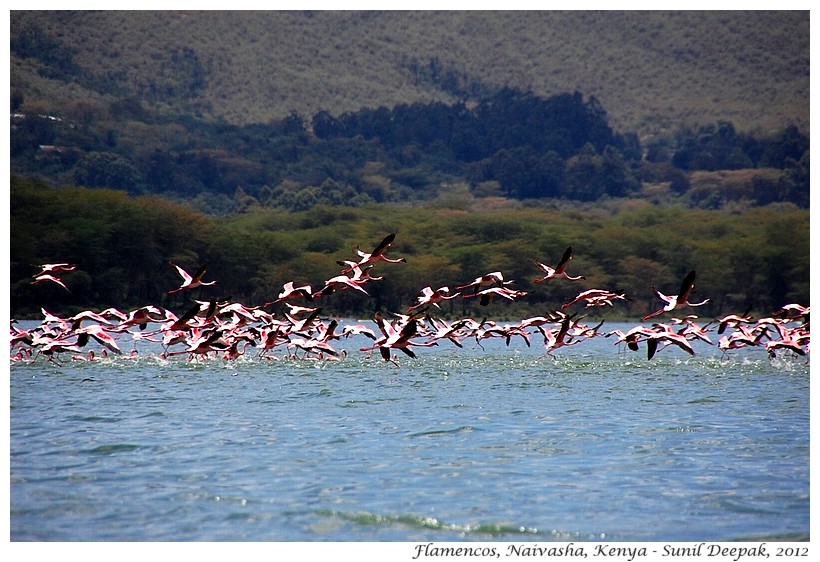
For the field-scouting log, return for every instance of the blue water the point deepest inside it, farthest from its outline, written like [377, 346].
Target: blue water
[493, 444]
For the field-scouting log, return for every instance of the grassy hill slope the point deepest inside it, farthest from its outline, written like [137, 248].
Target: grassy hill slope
[651, 71]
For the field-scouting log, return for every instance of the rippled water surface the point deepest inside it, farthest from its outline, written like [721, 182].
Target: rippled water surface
[495, 444]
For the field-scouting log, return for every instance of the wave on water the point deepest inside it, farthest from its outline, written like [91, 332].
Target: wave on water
[492, 530]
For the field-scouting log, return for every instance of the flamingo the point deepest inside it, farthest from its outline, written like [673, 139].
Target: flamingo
[444, 330]
[234, 352]
[358, 330]
[142, 316]
[632, 337]
[787, 309]
[204, 343]
[559, 270]
[679, 301]
[732, 321]
[596, 297]
[291, 292]
[584, 331]
[692, 330]
[741, 337]
[43, 277]
[428, 296]
[377, 254]
[396, 338]
[670, 338]
[360, 274]
[98, 333]
[191, 281]
[78, 318]
[186, 320]
[789, 339]
[340, 281]
[488, 294]
[54, 267]
[305, 325]
[312, 346]
[493, 278]
[507, 331]
[557, 339]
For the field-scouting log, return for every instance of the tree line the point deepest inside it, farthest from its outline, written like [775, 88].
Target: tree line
[513, 144]
[124, 246]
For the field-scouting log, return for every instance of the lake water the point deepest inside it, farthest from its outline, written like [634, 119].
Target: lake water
[493, 444]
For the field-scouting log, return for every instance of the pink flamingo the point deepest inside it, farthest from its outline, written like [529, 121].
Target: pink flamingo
[291, 292]
[54, 267]
[596, 297]
[789, 339]
[679, 301]
[488, 294]
[43, 277]
[631, 337]
[340, 282]
[559, 270]
[309, 345]
[142, 316]
[428, 296]
[493, 278]
[377, 254]
[396, 338]
[191, 281]
[444, 330]
[669, 338]
[732, 321]
[557, 339]
[98, 333]
[742, 337]
[49, 268]
[234, 352]
[358, 330]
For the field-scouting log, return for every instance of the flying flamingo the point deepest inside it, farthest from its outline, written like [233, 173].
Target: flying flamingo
[632, 337]
[789, 339]
[559, 270]
[291, 292]
[54, 267]
[495, 278]
[596, 297]
[670, 338]
[48, 277]
[357, 330]
[446, 330]
[96, 331]
[396, 337]
[142, 316]
[234, 352]
[340, 282]
[191, 281]
[488, 294]
[679, 301]
[429, 296]
[557, 339]
[377, 254]
[732, 321]
[742, 337]
[360, 274]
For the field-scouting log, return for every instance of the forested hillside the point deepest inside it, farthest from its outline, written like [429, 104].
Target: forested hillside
[90, 108]
[757, 260]
[653, 71]
[512, 144]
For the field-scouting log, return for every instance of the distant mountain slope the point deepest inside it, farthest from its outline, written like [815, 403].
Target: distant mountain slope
[651, 71]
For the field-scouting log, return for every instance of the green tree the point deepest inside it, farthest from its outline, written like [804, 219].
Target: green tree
[106, 169]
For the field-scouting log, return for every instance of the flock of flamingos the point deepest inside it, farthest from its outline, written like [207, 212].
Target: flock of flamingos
[226, 330]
